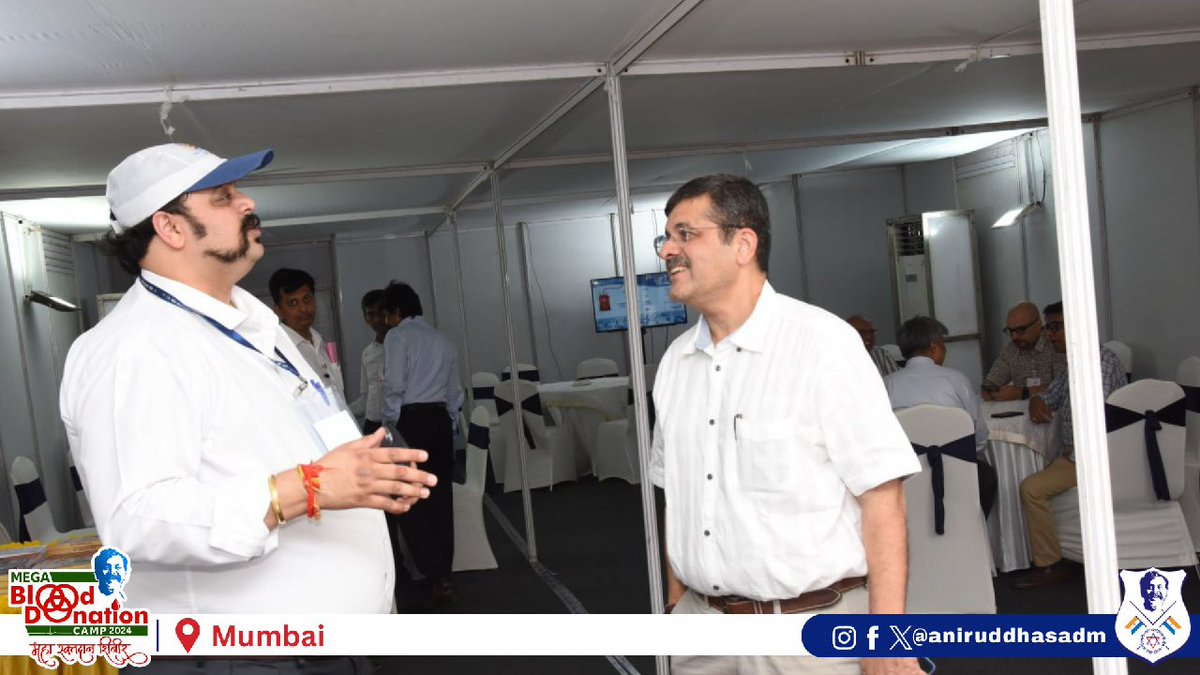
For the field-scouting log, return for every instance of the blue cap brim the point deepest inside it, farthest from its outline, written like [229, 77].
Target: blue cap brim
[234, 170]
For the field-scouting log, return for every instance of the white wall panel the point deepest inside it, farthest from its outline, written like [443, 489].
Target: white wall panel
[1149, 165]
[844, 217]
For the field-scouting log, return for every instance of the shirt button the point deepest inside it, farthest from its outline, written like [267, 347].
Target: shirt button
[710, 476]
[716, 587]
[711, 422]
[706, 533]
[718, 369]
[739, 349]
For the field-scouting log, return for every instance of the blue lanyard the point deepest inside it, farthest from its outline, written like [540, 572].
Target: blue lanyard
[281, 362]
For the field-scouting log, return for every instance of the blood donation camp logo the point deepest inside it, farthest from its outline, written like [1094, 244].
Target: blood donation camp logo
[1153, 622]
[78, 615]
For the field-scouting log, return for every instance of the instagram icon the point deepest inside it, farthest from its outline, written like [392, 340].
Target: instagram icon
[845, 638]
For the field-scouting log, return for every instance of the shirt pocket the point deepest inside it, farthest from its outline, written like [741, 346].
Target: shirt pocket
[767, 455]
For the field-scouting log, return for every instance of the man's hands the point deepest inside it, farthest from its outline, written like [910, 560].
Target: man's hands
[1005, 393]
[1039, 412]
[361, 474]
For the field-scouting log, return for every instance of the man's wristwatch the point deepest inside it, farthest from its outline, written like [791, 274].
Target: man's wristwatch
[1024, 393]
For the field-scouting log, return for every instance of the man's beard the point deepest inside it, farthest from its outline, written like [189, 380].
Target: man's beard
[229, 256]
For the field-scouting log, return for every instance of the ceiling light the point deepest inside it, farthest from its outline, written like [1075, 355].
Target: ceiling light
[1011, 216]
[51, 301]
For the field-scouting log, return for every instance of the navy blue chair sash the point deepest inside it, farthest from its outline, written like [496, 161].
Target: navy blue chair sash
[1191, 395]
[962, 448]
[1116, 417]
[532, 405]
[531, 375]
[483, 393]
[29, 496]
[479, 436]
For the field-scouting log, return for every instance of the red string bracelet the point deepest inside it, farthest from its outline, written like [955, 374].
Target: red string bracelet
[311, 475]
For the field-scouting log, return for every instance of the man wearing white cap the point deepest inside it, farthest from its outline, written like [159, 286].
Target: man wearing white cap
[193, 421]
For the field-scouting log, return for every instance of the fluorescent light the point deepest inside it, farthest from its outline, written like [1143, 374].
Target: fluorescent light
[51, 301]
[1011, 216]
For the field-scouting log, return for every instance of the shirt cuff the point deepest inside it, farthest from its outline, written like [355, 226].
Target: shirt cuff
[237, 519]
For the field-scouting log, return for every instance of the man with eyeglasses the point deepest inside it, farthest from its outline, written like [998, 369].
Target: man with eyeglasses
[1027, 364]
[1038, 489]
[775, 442]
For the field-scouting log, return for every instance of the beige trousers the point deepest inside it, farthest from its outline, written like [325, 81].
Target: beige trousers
[855, 601]
[1036, 492]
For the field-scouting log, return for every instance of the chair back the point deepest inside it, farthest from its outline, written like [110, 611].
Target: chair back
[478, 443]
[949, 572]
[1124, 353]
[85, 507]
[37, 523]
[525, 371]
[598, 367]
[1188, 377]
[1130, 468]
[483, 391]
[531, 406]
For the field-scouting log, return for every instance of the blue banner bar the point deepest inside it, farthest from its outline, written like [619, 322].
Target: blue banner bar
[971, 636]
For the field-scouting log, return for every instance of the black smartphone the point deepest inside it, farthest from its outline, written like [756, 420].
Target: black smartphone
[1007, 413]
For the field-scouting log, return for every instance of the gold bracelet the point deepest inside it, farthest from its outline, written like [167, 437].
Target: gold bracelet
[275, 500]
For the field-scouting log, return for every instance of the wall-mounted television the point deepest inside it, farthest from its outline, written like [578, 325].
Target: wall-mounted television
[657, 308]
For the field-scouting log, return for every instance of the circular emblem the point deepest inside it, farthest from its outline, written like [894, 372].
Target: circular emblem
[1153, 640]
[56, 601]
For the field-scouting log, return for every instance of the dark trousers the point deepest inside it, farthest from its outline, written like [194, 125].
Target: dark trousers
[271, 665]
[428, 527]
[988, 486]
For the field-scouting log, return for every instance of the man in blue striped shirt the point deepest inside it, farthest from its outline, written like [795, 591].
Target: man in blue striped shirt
[1038, 489]
[422, 395]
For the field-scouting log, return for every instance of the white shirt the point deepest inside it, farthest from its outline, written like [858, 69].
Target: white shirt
[769, 511]
[421, 366]
[314, 353]
[175, 428]
[370, 388]
[923, 381]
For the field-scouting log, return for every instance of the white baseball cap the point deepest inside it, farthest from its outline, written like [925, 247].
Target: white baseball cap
[148, 179]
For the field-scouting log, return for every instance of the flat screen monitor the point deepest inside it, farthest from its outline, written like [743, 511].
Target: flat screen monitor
[608, 303]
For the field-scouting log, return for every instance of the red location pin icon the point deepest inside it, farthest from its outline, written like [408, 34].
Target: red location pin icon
[187, 630]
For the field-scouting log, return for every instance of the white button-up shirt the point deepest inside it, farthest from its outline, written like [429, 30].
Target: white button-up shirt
[762, 444]
[175, 428]
[924, 381]
[370, 387]
[316, 357]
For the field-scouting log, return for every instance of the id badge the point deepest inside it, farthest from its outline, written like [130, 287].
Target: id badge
[1033, 382]
[337, 429]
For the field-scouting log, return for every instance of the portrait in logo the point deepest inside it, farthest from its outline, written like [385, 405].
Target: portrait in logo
[1153, 621]
[111, 567]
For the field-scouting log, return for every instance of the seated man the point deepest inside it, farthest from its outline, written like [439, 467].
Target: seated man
[883, 362]
[1039, 488]
[1028, 364]
[924, 380]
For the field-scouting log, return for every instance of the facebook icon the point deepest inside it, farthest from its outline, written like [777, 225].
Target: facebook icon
[872, 636]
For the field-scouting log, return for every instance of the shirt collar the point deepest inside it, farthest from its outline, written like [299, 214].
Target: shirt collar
[750, 336]
[248, 315]
[919, 361]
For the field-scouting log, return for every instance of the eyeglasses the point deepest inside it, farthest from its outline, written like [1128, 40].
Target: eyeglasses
[1020, 330]
[685, 235]
[1054, 327]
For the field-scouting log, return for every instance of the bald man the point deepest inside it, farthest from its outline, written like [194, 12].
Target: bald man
[883, 361]
[1028, 363]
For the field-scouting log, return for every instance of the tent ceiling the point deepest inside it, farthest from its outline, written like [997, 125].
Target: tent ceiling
[407, 134]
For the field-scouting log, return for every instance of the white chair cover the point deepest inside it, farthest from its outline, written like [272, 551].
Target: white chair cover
[1150, 532]
[1188, 377]
[472, 551]
[552, 457]
[483, 393]
[35, 510]
[952, 572]
[596, 367]
[1124, 353]
[617, 452]
[85, 507]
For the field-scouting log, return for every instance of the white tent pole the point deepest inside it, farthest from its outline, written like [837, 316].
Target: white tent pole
[637, 373]
[514, 374]
[462, 311]
[1083, 352]
[433, 289]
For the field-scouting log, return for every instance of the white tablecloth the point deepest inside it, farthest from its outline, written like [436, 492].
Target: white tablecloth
[1016, 448]
[582, 406]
